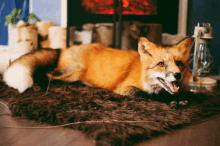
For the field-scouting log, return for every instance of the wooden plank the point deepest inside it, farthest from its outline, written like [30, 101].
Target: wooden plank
[204, 134]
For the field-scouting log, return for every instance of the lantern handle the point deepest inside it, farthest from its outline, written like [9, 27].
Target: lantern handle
[196, 58]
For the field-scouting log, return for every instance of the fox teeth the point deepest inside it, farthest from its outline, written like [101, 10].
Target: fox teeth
[169, 86]
[173, 87]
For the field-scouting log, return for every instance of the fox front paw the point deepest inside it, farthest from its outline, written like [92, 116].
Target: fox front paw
[180, 103]
[183, 103]
[173, 104]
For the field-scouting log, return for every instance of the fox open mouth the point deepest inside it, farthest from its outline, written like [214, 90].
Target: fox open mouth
[171, 87]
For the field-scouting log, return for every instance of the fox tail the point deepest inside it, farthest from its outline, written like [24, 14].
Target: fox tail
[22, 72]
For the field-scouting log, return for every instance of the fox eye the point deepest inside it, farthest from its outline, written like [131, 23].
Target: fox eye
[179, 63]
[160, 64]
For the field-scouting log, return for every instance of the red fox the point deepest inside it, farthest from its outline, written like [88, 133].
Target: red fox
[152, 69]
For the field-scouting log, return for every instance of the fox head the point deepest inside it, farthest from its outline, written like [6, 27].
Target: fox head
[164, 68]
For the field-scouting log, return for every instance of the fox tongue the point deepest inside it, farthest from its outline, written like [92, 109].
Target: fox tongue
[173, 87]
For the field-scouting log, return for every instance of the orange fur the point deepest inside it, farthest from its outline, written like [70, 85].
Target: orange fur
[119, 70]
[116, 70]
[103, 67]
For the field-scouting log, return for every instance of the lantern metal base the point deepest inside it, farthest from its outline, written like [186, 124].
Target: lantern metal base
[203, 85]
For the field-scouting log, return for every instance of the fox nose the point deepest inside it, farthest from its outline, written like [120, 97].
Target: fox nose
[177, 76]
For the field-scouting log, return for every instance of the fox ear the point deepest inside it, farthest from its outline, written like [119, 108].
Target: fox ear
[145, 47]
[185, 46]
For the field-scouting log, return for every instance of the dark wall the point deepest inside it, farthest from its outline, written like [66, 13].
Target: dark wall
[207, 11]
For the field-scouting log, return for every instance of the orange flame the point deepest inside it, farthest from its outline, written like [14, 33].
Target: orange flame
[130, 7]
[125, 3]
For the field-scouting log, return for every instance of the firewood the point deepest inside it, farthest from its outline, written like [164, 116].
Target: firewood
[43, 31]
[57, 37]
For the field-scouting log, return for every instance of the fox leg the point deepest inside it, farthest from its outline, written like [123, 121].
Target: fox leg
[123, 89]
[70, 76]
[69, 72]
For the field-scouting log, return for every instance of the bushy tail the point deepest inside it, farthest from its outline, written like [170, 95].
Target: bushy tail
[20, 73]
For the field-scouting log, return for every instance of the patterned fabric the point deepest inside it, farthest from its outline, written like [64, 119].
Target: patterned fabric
[6, 6]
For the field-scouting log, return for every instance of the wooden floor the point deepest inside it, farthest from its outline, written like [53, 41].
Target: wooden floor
[37, 137]
[203, 134]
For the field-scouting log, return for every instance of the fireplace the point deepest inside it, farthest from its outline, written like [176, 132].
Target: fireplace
[144, 11]
[166, 13]
[130, 7]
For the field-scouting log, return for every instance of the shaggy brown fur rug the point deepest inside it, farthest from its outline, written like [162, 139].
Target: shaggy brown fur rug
[108, 118]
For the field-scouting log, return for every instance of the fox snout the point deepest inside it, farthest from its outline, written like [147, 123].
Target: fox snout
[177, 76]
[171, 77]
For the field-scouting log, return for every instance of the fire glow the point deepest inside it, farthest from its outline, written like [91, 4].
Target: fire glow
[130, 7]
